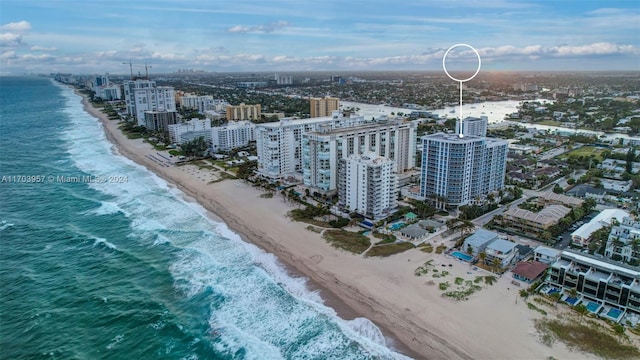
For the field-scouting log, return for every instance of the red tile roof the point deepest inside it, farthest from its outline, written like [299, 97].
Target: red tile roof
[529, 270]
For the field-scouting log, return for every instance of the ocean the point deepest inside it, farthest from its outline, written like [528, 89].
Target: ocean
[101, 259]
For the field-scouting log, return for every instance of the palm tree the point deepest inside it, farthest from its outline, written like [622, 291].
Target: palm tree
[482, 256]
[524, 293]
[581, 310]
[573, 293]
[617, 244]
[489, 280]
[556, 296]
[496, 264]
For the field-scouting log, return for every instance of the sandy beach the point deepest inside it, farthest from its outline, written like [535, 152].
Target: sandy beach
[493, 324]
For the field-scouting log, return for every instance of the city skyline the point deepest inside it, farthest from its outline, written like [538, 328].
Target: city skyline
[97, 37]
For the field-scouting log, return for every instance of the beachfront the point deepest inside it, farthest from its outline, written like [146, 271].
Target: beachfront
[492, 324]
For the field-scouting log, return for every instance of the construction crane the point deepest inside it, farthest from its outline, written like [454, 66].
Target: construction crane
[146, 69]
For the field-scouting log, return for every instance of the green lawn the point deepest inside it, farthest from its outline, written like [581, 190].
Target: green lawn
[549, 122]
[346, 240]
[584, 337]
[389, 249]
[585, 151]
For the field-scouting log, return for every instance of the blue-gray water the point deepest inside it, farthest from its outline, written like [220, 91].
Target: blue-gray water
[131, 270]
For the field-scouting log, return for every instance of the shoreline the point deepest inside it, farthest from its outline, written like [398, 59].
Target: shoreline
[216, 211]
[412, 314]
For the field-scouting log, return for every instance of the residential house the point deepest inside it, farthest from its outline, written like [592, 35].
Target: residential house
[502, 250]
[478, 241]
[545, 254]
[529, 271]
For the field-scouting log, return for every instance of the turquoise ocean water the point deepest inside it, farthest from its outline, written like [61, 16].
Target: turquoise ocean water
[131, 270]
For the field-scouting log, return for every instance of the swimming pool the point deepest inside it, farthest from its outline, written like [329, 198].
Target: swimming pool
[461, 256]
[396, 226]
[614, 313]
[571, 300]
[593, 307]
[553, 291]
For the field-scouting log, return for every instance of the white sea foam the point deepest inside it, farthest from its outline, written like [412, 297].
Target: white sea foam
[258, 307]
[5, 225]
[107, 208]
[102, 241]
[115, 341]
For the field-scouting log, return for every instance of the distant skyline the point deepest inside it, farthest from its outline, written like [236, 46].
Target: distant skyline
[297, 35]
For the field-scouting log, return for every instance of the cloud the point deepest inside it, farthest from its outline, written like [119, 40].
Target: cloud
[8, 55]
[43, 48]
[11, 35]
[10, 39]
[264, 28]
[601, 48]
[19, 27]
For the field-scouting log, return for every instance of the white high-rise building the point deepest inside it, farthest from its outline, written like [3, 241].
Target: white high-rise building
[104, 90]
[189, 130]
[143, 95]
[283, 79]
[368, 185]
[322, 149]
[233, 135]
[473, 126]
[279, 144]
[199, 103]
[461, 169]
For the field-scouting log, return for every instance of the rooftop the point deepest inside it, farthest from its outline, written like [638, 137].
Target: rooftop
[501, 246]
[413, 231]
[454, 138]
[529, 270]
[630, 271]
[547, 251]
[481, 237]
[546, 216]
[569, 200]
[583, 189]
[599, 222]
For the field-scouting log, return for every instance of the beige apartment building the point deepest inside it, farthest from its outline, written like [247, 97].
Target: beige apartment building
[243, 112]
[323, 106]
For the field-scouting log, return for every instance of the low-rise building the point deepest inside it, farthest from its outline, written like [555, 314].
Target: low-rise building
[618, 166]
[532, 223]
[478, 241]
[502, 250]
[616, 185]
[582, 236]
[624, 241]
[546, 254]
[529, 271]
[525, 252]
[587, 191]
[414, 232]
[595, 280]
[551, 198]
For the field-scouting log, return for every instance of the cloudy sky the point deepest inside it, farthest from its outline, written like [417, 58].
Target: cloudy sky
[290, 35]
